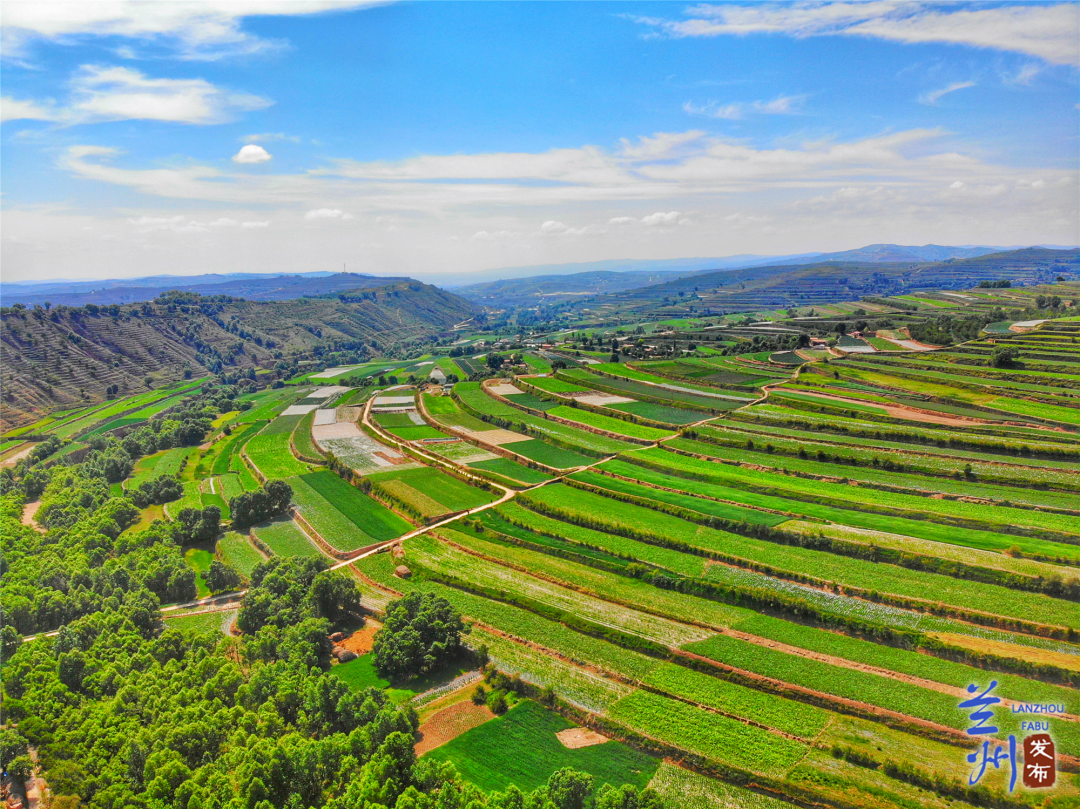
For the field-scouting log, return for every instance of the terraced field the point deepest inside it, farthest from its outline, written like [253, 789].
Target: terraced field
[727, 592]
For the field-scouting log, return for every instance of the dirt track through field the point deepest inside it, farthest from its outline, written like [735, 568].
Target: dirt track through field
[900, 412]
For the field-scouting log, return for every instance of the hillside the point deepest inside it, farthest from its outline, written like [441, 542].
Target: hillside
[778, 287]
[68, 357]
[550, 289]
[892, 253]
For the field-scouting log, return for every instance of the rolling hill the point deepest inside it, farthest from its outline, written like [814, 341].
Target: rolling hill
[779, 287]
[67, 357]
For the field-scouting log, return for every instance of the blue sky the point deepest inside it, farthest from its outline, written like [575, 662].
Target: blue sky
[420, 138]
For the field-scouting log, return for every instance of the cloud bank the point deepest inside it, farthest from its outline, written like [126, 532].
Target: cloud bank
[1047, 32]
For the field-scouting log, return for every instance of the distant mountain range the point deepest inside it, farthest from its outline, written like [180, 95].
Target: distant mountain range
[895, 253]
[250, 286]
[611, 277]
[825, 280]
[508, 286]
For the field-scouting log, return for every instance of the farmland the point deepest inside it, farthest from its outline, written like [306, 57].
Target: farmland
[367, 515]
[765, 570]
[521, 748]
[285, 538]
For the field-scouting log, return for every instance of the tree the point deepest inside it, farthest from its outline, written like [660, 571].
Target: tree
[254, 507]
[12, 745]
[333, 597]
[198, 525]
[421, 631]
[494, 361]
[1004, 357]
[220, 577]
[569, 789]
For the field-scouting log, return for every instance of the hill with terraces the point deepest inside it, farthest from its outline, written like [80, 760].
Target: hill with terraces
[782, 286]
[68, 357]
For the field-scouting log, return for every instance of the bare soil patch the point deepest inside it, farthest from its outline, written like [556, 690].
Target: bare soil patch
[499, 437]
[574, 738]
[29, 510]
[360, 641]
[449, 723]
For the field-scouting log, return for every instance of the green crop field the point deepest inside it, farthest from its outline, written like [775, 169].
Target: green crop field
[371, 517]
[359, 674]
[449, 492]
[223, 460]
[203, 623]
[659, 412]
[796, 718]
[166, 462]
[548, 454]
[532, 401]
[689, 790]
[272, 456]
[237, 551]
[554, 385]
[440, 405]
[389, 420]
[284, 538]
[797, 561]
[611, 425]
[511, 470]
[416, 432]
[331, 524]
[521, 748]
[708, 734]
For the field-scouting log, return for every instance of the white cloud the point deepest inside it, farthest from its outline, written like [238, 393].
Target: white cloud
[662, 219]
[494, 236]
[1025, 75]
[251, 154]
[622, 220]
[119, 93]
[224, 222]
[13, 109]
[727, 112]
[204, 30]
[1044, 31]
[100, 93]
[172, 224]
[782, 105]
[253, 225]
[267, 137]
[327, 213]
[931, 98]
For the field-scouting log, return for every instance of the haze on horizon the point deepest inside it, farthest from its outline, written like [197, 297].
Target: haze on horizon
[425, 138]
